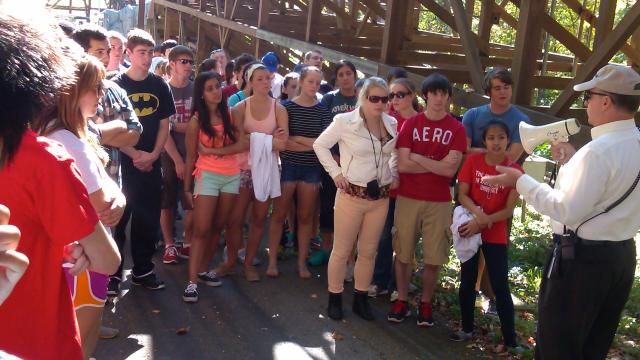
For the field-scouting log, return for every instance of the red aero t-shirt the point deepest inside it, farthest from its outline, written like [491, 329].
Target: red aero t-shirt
[42, 188]
[433, 139]
[491, 198]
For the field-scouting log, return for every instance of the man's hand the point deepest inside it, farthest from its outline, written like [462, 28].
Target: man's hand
[74, 254]
[562, 152]
[469, 228]
[508, 177]
[144, 161]
[484, 221]
[12, 263]
[111, 215]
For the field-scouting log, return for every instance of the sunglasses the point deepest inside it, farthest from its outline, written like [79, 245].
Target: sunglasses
[589, 94]
[185, 61]
[377, 99]
[399, 95]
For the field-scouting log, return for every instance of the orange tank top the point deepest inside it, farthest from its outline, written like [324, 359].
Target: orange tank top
[266, 126]
[219, 164]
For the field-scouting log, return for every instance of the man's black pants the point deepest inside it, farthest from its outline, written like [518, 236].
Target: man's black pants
[580, 305]
[143, 192]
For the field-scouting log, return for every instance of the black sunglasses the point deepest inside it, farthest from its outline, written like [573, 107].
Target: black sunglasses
[377, 99]
[186, 61]
[399, 95]
[589, 94]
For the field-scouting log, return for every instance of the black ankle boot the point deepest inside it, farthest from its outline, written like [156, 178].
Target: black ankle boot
[335, 306]
[361, 305]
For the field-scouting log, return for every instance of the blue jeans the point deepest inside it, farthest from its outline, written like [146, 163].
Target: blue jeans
[383, 274]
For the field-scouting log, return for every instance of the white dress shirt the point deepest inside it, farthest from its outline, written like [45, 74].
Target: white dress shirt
[594, 178]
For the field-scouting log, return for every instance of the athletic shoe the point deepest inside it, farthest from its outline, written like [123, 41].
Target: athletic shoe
[190, 294]
[492, 310]
[320, 257]
[113, 289]
[348, 277]
[425, 316]
[460, 336]
[375, 291]
[209, 278]
[316, 242]
[149, 281]
[183, 252]
[394, 296]
[108, 333]
[399, 311]
[170, 255]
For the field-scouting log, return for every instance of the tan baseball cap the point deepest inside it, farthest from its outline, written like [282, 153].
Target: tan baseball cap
[617, 79]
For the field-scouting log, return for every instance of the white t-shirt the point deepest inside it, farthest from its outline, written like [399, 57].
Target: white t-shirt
[276, 85]
[92, 172]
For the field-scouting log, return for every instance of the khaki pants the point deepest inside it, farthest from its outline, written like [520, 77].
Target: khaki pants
[359, 220]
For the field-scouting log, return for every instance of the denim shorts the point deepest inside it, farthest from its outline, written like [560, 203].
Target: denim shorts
[310, 174]
[212, 184]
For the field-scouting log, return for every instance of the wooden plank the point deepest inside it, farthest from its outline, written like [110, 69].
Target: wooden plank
[471, 53]
[527, 50]
[487, 14]
[340, 13]
[201, 43]
[395, 24]
[600, 57]
[313, 16]
[604, 24]
[375, 7]
[140, 14]
[170, 22]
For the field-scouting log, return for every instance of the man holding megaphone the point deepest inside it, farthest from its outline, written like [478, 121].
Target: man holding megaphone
[594, 214]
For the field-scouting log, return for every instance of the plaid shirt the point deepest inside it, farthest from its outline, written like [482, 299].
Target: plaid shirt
[115, 105]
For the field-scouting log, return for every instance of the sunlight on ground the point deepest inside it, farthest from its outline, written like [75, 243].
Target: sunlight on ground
[145, 341]
[287, 350]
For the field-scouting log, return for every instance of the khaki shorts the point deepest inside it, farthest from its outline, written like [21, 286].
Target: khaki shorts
[432, 220]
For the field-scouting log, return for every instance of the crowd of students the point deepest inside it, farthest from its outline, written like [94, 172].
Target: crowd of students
[357, 168]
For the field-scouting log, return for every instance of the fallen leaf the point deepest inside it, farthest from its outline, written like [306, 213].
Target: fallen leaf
[337, 336]
[314, 296]
[182, 331]
[155, 311]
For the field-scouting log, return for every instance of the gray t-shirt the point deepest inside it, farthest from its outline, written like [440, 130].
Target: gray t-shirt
[338, 103]
[183, 99]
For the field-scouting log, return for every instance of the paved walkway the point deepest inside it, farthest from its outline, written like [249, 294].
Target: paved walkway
[273, 319]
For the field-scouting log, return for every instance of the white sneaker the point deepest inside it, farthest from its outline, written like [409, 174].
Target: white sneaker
[349, 275]
[375, 291]
[242, 253]
[394, 296]
[190, 294]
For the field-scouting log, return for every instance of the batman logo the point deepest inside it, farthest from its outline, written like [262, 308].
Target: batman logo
[144, 104]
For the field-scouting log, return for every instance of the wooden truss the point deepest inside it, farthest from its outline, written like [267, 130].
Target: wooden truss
[376, 35]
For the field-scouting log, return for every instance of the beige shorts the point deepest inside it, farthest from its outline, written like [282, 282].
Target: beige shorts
[416, 217]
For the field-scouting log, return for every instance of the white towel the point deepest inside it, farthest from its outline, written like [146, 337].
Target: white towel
[265, 174]
[466, 247]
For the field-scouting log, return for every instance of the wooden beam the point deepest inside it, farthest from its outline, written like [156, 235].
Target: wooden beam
[487, 15]
[527, 50]
[600, 57]
[201, 45]
[375, 7]
[140, 14]
[340, 13]
[170, 24]
[395, 24]
[468, 44]
[313, 17]
[604, 24]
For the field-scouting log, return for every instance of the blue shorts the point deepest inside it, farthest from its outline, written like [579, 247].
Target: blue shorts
[212, 184]
[310, 174]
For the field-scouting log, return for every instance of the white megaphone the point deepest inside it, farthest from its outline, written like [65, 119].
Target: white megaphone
[532, 136]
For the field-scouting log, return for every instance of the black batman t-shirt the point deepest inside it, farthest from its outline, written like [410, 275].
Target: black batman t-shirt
[152, 101]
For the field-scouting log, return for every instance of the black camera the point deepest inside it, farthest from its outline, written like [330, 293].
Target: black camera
[373, 189]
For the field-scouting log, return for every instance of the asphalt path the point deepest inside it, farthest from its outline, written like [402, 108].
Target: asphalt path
[283, 318]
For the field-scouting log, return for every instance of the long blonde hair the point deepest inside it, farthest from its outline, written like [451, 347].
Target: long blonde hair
[89, 75]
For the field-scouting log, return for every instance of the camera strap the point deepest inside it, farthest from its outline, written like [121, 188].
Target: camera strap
[375, 157]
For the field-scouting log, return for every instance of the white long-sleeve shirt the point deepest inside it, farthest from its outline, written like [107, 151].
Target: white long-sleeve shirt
[357, 160]
[595, 177]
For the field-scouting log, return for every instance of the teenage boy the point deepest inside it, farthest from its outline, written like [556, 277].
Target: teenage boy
[497, 85]
[430, 147]
[238, 68]
[117, 61]
[173, 157]
[141, 177]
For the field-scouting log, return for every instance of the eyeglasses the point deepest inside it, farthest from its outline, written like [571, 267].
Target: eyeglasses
[399, 95]
[186, 61]
[377, 99]
[589, 94]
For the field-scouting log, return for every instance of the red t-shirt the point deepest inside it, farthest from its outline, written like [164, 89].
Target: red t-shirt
[394, 193]
[229, 90]
[433, 139]
[491, 198]
[42, 188]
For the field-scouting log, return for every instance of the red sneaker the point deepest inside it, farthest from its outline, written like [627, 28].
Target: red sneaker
[183, 252]
[425, 315]
[170, 255]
